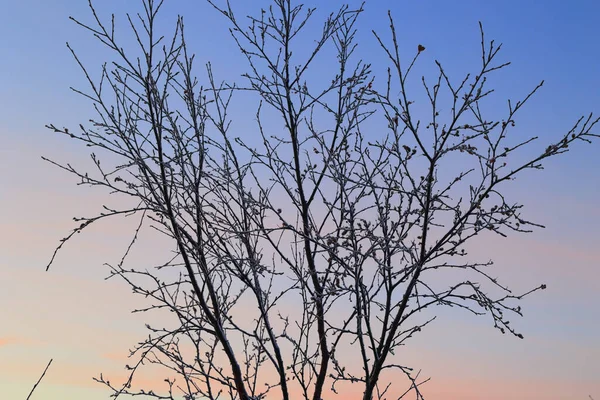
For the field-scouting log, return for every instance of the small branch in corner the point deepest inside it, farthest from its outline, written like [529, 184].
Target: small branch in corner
[39, 380]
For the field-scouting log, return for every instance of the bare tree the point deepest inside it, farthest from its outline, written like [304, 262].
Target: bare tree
[348, 211]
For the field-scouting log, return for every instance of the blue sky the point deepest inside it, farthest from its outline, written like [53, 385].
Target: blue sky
[44, 315]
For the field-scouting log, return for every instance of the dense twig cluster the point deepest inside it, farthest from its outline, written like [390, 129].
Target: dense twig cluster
[347, 220]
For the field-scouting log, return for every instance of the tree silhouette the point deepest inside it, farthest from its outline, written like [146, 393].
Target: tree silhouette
[347, 210]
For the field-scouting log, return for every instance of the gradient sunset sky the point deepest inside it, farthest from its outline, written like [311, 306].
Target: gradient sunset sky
[84, 323]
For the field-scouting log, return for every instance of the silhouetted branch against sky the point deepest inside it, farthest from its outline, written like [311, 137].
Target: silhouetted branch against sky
[39, 380]
[337, 217]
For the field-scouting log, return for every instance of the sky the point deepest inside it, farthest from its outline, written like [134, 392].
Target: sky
[72, 315]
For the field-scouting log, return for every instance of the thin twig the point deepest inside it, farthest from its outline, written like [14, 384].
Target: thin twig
[39, 380]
